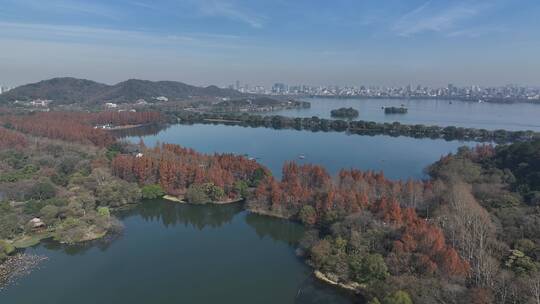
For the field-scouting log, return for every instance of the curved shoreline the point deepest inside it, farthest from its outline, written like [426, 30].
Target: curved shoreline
[179, 200]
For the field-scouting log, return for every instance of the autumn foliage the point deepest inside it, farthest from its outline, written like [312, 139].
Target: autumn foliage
[418, 242]
[11, 139]
[176, 168]
[118, 118]
[77, 126]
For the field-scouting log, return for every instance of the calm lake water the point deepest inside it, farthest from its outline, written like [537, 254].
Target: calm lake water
[172, 253]
[398, 157]
[490, 116]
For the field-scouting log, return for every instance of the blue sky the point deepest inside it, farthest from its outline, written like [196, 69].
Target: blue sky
[264, 41]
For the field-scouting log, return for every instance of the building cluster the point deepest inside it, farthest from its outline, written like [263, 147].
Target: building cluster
[508, 92]
[4, 89]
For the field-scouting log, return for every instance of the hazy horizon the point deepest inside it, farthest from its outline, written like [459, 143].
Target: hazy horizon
[216, 42]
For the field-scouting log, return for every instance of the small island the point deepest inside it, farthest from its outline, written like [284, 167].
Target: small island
[395, 110]
[348, 113]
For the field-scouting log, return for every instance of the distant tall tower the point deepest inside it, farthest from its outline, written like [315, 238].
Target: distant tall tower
[237, 87]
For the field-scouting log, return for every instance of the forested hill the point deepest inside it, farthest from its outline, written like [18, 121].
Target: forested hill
[72, 90]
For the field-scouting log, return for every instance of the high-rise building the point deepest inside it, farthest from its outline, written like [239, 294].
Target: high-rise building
[279, 88]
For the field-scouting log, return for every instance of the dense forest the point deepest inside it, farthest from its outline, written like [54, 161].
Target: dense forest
[190, 175]
[51, 188]
[67, 90]
[468, 234]
[77, 127]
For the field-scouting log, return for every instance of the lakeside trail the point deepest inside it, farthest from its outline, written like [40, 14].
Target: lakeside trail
[18, 266]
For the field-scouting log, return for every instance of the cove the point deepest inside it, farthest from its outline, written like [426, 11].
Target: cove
[175, 253]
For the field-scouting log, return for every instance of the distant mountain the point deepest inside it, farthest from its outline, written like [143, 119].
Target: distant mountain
[72, 90]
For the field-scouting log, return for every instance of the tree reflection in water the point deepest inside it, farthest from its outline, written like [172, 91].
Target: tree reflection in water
[147, 130]
[277, 229]
[172, 214]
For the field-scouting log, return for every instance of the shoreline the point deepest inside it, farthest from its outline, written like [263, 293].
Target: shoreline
[349, 286]
[179, 200]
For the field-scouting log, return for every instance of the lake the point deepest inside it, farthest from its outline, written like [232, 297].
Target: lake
[398, 157]
[174, 253]
[490, 116]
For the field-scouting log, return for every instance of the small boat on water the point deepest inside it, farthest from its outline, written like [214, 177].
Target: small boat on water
[301, 156]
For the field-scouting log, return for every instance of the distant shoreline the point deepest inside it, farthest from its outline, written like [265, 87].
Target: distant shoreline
[461, 99]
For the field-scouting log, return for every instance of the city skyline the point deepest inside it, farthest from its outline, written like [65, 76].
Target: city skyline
[390, 43]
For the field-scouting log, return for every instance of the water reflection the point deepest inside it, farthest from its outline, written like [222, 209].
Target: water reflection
[173, 214]
[277, 229]
[146, 130]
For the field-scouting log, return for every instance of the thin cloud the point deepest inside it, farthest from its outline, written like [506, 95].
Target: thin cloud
[427, 18]
[105, 36]
[144, 5]
[227, 9]
[80, 7]
[478, 32]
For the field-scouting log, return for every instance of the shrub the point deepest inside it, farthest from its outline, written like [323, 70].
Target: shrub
[152, 191]
[308, 215]
[196, 194]
[49, 213]
[104, 211]
[398, 297]
[204, 193]
[70, 231]
[241, 187]
[5, 250]
[117, 193]
[41, 191]
[368, 268]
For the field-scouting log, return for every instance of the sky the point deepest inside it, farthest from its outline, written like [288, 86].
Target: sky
[260, 42]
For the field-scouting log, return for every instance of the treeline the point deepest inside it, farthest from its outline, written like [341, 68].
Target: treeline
[185, 173]
[60, 126]
[358, 127]
[117, 118]
[76, 126]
